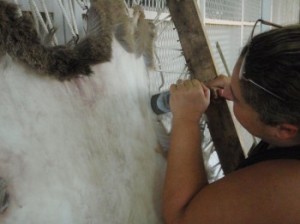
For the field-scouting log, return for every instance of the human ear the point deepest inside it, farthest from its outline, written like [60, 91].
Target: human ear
[286, 131]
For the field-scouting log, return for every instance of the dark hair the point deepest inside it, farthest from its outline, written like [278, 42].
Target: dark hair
[273, 61]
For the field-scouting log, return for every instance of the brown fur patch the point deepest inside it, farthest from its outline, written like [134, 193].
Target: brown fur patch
[19, 38]
[144, 35]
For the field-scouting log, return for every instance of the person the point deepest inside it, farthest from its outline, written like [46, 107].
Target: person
[265, 188]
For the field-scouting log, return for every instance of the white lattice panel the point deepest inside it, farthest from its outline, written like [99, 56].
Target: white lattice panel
[229, 39]
[149, 5]
[170, 63]
[252, 10]
[226, 10]
[286, 12]
[247, 32]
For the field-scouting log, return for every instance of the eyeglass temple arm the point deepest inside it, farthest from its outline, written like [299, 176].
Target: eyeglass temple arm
[265, 23]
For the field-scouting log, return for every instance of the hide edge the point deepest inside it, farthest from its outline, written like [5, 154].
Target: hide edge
[187, 19]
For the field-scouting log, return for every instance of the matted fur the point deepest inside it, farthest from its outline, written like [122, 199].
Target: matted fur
[19, 38]
[144, 35]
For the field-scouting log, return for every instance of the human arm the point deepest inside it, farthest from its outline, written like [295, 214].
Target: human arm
[256, 194]
[185, 172]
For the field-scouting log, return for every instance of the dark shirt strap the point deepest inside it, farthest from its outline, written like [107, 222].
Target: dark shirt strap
[262, 152]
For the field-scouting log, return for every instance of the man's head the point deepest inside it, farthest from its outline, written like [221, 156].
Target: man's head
[270, 75]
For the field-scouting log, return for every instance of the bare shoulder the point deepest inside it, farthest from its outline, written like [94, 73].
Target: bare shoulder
[268, 192]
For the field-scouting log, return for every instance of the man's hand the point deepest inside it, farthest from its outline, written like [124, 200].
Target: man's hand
[189, 99]
[218, 85]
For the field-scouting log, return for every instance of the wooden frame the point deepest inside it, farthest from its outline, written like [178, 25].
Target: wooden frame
[186, 17]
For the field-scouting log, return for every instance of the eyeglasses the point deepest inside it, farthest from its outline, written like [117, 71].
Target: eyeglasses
[242, 69]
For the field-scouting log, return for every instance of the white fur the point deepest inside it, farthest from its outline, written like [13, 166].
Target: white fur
[82, 151]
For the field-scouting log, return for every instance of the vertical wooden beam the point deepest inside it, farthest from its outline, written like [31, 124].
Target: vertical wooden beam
[187, 19]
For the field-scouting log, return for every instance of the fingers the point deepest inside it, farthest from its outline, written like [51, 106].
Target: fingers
[179, 81]
[206, 90]
[196, 82]
[173, 87]
[188, 83]
[189, 98]
[220, 82]
[217, 86]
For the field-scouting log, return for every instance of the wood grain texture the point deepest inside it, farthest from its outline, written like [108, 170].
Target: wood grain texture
[186, 17]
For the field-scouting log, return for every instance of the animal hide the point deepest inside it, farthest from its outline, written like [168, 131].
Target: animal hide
[83, 150]
[80, 151]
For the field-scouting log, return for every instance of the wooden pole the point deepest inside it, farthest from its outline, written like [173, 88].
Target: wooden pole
[186, 17]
